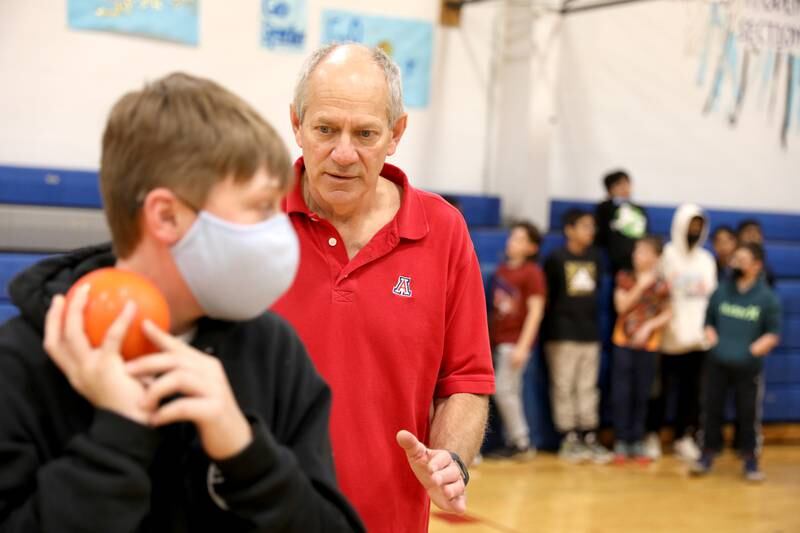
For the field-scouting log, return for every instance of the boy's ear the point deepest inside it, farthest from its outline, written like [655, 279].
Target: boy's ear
[165, 217]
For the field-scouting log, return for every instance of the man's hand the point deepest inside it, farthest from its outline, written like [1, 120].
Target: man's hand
[206, 398]
[97, 374]
[437, 472]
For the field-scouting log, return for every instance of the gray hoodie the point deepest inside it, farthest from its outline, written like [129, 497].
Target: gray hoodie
[692, 275]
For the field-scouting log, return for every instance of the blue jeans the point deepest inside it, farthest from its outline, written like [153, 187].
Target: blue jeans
[632, 379]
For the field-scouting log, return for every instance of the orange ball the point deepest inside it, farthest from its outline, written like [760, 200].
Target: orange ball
[111, 289]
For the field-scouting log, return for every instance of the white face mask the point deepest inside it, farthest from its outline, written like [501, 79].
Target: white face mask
[237, 271]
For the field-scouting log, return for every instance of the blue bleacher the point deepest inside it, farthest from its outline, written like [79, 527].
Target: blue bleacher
[776, 226]
[782, 367]
[10, 265]
[50, 187]
[789, 293]
[478, 211]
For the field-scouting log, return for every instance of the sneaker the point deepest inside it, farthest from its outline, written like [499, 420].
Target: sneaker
[687, 450]
[702, 466]
[652, 446]
[751, 471]
[517, 453]
[572, 450]
[597, 452]
[639, 453]
[621, 453]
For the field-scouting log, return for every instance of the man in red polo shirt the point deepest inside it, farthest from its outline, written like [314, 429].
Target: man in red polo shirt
[388, 300]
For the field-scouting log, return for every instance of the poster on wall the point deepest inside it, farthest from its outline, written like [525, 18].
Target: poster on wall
[170, 20]
[769, 25]
[752, 50]
[283, 24]
[408, 42]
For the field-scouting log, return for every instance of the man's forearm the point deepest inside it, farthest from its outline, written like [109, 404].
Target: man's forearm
[459, 423]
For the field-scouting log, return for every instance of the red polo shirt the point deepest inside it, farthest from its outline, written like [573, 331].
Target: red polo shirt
[400, 324]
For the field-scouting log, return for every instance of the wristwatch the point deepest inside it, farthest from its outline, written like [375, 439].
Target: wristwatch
[461, 466]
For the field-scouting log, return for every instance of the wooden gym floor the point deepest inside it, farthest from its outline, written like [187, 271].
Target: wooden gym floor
[547, 495]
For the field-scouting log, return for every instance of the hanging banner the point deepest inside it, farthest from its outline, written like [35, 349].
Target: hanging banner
[171, 20]
[283, 24]
[408, 42]
[770, 25]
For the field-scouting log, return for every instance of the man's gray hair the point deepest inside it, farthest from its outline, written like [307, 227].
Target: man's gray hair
[394, 107]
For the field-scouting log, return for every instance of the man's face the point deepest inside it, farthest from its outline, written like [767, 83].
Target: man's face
[345, 134]
[621, 189]
[582, 232]
[751, 234]
[743, 259]
[724, 244]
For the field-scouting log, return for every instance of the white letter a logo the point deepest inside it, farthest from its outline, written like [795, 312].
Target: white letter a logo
[403, 287]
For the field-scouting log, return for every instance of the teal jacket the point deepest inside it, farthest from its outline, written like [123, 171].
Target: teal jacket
[741, 318]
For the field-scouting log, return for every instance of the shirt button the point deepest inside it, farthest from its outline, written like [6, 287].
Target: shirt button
[332, 241]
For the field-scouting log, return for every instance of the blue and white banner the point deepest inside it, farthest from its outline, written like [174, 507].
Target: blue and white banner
[771, 25]
[283, 24]
[171, 20]
[408, 42]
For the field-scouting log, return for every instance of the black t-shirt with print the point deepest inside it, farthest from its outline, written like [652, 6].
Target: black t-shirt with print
[573, 283]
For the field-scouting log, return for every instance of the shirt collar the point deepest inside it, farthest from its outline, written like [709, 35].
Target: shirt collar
[411, 220]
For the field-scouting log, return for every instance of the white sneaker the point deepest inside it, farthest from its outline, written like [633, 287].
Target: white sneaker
[598, 453]
[687, 450]
[652, 446]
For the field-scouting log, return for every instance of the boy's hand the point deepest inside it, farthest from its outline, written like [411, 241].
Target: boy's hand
[711, 336]
[757, 351]
[641, 336]
[645, 280]
[437, 472]
[97, 374]
[519, 357]
[206, 398]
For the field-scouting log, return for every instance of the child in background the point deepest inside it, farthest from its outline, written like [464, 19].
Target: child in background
[743, 324]
[620, 222]
[572, 332]
[518, 298]
[724, 241]
[642, 303]
[749, 230]
[691, 273]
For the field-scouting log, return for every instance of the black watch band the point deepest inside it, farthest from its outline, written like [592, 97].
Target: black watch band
[461, 466]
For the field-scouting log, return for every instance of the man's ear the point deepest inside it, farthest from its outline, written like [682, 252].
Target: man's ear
[296, 125]
[397, 133]
[165, 217]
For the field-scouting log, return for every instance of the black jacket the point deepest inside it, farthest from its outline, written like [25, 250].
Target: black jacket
[68, 467]
[616, 234]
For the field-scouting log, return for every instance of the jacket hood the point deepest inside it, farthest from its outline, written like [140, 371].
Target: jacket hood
[680, 227]
[33, 289]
